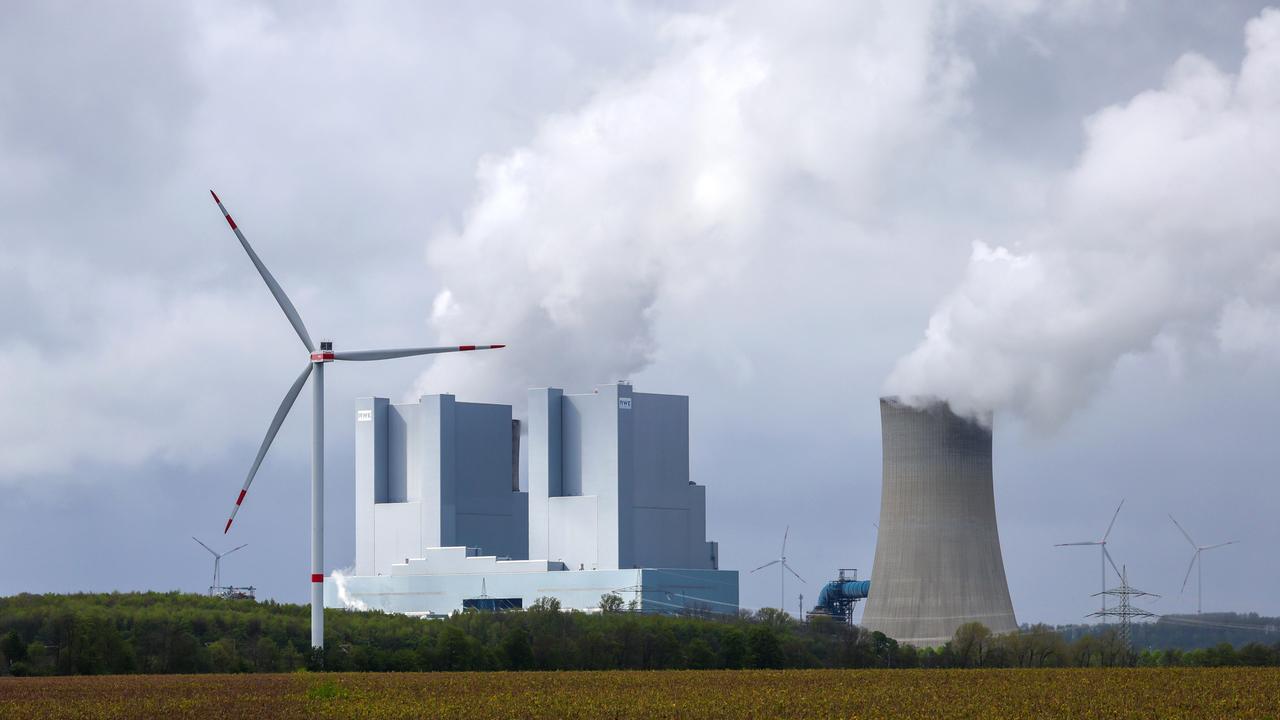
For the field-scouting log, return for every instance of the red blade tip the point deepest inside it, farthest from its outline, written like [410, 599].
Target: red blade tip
[215, 197]
[228, 527]
[495, 347]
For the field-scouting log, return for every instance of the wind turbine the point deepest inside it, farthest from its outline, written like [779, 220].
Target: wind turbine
[1195, 557]
[1106, 557]
[217, 560]
[783, 569]
[315, 364]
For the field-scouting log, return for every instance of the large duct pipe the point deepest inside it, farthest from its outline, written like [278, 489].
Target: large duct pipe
[937, 563]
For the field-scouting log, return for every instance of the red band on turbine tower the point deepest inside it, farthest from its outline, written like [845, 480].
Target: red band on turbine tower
[317, 577]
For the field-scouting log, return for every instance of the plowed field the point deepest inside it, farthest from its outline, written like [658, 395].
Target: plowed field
[1120, 693]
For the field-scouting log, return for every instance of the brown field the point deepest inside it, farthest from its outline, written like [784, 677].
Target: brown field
[1117, 693]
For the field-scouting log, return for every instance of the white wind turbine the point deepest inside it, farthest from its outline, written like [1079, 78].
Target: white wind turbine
[315, 364]
[217, 561]
[783, 569]
[1106, 556]
[1195, 558]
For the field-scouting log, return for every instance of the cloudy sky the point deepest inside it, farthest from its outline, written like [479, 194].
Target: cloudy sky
[1062, 212]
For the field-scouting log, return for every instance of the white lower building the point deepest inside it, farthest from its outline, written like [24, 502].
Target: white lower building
[441, 523]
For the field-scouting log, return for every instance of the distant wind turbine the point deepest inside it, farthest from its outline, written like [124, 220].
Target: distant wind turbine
[1195, 558]
[783, 569]
[1106, 556]
[217, 561]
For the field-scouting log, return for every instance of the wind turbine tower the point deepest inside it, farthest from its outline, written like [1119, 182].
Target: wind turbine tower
[318, 358]
[1197, 564]
[1105, 559]
[783, 569]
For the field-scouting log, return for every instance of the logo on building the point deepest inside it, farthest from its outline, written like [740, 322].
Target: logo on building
[364, 415]
[624, 403]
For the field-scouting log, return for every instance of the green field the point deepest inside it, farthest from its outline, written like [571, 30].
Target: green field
[1165, 693]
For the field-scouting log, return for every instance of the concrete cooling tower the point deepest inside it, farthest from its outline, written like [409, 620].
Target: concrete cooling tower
[937, 563]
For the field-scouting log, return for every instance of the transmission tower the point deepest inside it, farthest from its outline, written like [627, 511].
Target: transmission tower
[1124, 609]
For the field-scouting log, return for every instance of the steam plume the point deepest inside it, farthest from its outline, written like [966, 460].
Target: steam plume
[1165, 236]
[658, 187]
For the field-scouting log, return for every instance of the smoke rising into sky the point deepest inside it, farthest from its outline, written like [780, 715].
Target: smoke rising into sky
[652, 195]
[1164, 237]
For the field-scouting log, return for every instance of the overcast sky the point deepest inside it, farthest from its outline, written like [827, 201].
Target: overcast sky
[1062, 212]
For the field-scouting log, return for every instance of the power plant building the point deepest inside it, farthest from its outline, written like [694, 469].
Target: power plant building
[441, 522]
[937, 562]
[435, 473]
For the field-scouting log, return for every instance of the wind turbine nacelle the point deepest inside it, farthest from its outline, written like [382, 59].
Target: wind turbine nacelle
[324, 354]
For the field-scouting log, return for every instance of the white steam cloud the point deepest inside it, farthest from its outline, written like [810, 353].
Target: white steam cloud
[656, 190]
[1164, 237]
[339, 578]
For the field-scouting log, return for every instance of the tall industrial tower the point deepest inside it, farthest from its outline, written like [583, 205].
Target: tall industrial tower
[937, 562]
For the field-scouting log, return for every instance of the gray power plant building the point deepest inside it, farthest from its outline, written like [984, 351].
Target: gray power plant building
[937, 562]
[442, 525]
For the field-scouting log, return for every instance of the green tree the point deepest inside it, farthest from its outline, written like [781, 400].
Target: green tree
[517, 650]
[1039, 646]
[1256, 654]
[546, 604]
[13, 648]
[699, 655]
[765, 649]
[611, 603]
[733, 649]
[884, 648]
[971, 643]
[1113, 650]
[455, 649]
[265, 655]
[773, 617]
[1223, 655]
[223, 657]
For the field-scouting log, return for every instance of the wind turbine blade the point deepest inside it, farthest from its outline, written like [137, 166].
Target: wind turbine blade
[407, 352]
[276, 421]
[1185, 534]
[1090, 542]
[775, 562]
[1194, 556]
[234, 549]
[1210, 547]
[289, 310]
[785, 533]
[1113, 563]
[1107, 534]
[206, 547]
[793, 572]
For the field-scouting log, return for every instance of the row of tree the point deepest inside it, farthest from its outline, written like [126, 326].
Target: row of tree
[176, 633]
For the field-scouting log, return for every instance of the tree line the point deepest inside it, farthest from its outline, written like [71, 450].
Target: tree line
[183, 633]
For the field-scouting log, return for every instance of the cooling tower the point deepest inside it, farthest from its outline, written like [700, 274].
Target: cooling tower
[937, 563]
